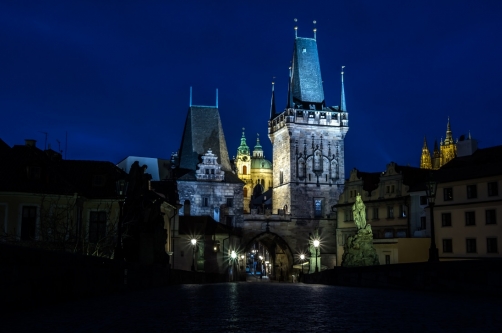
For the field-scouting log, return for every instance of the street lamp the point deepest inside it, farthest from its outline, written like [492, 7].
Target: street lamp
[194, 242]
[302, 258]
[316, 245]
[430, 189]
[121, 188]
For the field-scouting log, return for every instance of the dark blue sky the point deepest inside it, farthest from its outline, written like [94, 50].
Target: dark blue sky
[116, 75]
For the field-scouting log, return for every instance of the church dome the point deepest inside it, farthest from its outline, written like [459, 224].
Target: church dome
[260, 163]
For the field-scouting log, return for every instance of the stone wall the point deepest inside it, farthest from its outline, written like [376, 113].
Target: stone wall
[468, 276]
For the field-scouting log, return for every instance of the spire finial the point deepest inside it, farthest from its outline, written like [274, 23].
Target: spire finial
[272, 101]
[296, 28]
[216, 97]
[470, 135]
[315, 29]
[343, 107]
[190, 96]
[243, 129]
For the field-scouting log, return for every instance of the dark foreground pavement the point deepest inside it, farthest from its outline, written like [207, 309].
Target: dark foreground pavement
[264, 307]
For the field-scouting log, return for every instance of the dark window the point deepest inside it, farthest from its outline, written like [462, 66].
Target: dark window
[493, 189]
[245, 192]
[28, 222]
[472, 192]
[423, 200]
[387, 259]
[447, 246]
[207, 171]
[491, 217]
[205, 202]
[281, 177]
[402, 211]
[34, 172]
[448, 194]
[212, 171]
[98, 180]
[229, 220]
[390, 212]
[97, 226]
[446, 219]
[375, 213]
[470, 245]
[244, 170]
[230, 202]
[491, 245]
[470, 218]
[423, 223]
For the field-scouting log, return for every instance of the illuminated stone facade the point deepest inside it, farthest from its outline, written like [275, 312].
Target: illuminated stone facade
[308, 141]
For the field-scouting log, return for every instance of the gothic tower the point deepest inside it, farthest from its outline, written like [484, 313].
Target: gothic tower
[448, 148]
[307, 140]
[425, 160]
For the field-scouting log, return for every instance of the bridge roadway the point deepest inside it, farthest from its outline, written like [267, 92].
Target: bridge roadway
[264, 306]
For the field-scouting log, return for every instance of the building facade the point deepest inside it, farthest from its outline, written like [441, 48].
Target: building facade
[468, 205]
[395, 215]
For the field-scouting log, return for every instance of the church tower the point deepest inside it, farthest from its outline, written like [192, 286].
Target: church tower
[425, 160]
[307, 140]
[448, 148]
[243, 165]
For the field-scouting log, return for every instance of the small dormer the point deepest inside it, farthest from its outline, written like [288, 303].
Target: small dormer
[209, 169]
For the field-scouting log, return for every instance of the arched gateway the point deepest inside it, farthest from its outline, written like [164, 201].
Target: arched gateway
[272, 249]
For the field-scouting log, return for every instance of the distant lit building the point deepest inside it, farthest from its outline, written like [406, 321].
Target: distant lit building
[440, 156]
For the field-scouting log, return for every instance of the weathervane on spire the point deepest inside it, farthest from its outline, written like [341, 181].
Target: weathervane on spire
[315, 29]
[296, 28]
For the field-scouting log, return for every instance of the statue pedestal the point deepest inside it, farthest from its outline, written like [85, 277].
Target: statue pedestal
[359, 250]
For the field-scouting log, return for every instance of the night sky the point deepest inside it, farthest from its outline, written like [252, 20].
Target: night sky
[116, 75]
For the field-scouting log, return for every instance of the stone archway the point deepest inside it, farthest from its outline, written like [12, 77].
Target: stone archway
[281, 255]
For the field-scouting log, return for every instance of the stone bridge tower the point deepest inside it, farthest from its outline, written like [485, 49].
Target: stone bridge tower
[308, 141]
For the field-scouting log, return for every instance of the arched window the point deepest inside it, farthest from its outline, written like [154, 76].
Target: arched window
[245, 192]
[244, 170]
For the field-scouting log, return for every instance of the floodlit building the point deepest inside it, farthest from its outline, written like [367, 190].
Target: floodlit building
[394, 213]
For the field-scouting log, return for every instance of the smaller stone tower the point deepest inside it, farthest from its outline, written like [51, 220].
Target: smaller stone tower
[243, 166]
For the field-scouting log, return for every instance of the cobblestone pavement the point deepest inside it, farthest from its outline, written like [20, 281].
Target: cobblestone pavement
[265, 307]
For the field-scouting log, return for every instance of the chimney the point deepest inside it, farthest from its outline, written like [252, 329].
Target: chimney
[30, 142]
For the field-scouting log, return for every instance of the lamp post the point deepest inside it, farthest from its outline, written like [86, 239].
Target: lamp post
[430, 188]
[302, 258]
[121, 188]
[233, 255]
[194, 242]
[316, 245]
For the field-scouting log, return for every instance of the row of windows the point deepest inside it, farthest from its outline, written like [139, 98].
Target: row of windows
[470, 218]
[403, 212]
[472, 191]
[471, 245]
[229, 203]
[97, 224]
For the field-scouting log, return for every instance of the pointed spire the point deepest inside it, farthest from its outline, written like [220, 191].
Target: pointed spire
[296, 29]
[425, 160]
[315, 29]
[449, 138]
[470, 138]
[190, 96]
[272, 103]
[290, 93]
[425, 143]
[258, 150]
[243, 148]
[216, 97]
[343, 107]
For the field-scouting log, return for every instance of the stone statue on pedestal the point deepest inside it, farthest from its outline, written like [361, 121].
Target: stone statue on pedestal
[359, 250]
